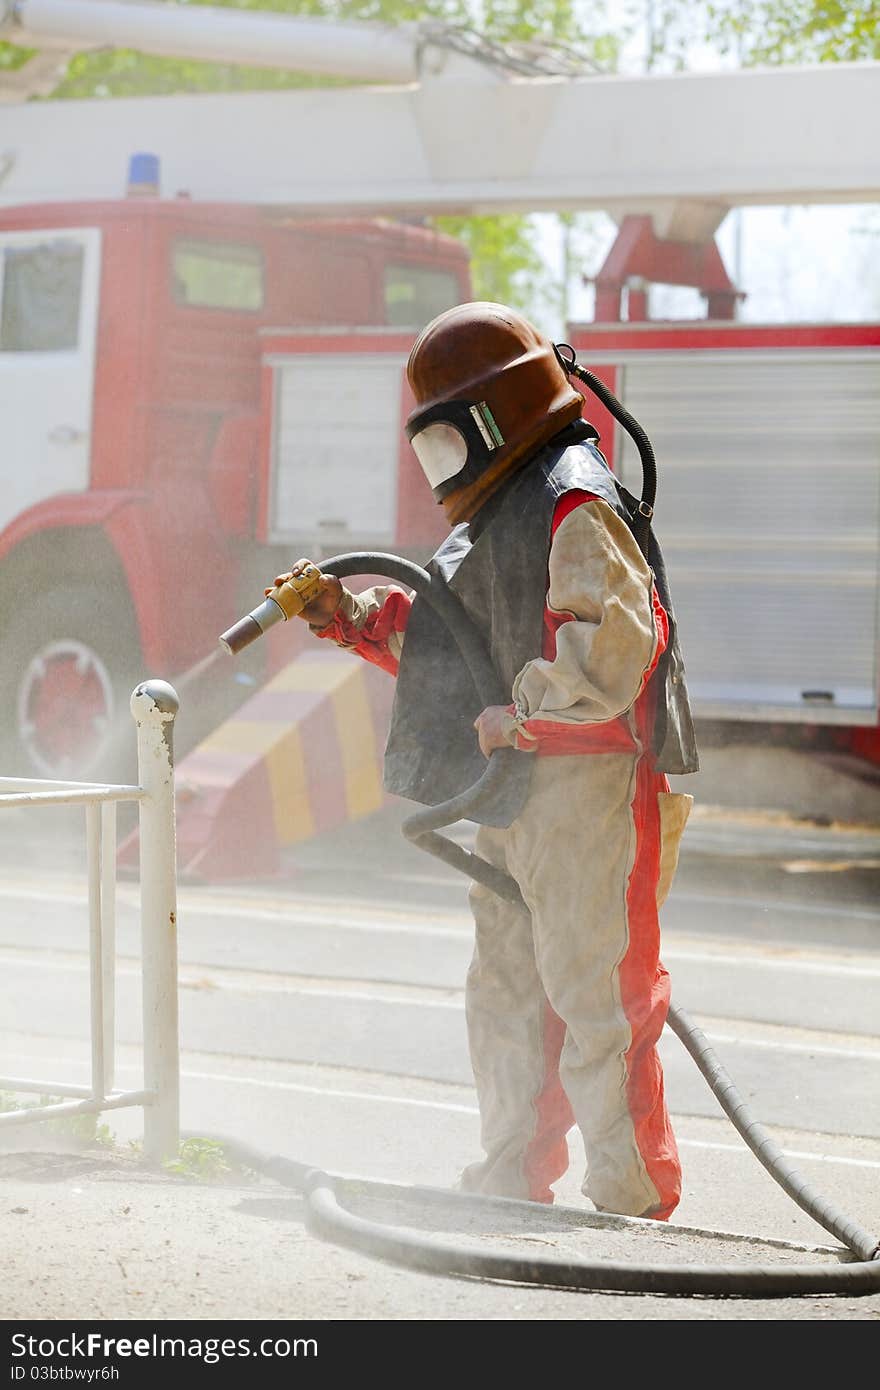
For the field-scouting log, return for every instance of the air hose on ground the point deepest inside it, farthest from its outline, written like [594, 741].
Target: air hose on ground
[328, 1218]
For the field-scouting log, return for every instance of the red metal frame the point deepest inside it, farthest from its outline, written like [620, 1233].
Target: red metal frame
[638, 254]
[605, 339]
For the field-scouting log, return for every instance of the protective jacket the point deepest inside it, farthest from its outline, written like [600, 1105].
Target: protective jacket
[496, 567]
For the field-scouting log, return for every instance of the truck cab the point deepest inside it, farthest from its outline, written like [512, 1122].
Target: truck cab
[132, 359]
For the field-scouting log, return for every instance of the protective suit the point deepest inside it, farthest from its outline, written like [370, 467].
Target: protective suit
[566, 996]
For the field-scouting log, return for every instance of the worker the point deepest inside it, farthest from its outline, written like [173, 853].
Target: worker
[566, 995]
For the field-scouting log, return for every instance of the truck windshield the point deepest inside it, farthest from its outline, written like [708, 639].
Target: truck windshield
[217, 275]
[415, 294]
[41, 286]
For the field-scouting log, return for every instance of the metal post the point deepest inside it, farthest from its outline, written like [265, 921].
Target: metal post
[96, 952]
[154, 704]
[108, 939]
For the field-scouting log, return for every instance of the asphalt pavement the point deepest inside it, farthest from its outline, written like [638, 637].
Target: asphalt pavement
[322, 1018]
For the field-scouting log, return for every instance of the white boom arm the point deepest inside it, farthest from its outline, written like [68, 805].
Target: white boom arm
[776, 136]
[461, 139]
[374, 52]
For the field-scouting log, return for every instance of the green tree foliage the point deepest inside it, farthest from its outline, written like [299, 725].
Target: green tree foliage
[796, 31]
[505, 264]
[751, 32]
[121, 72]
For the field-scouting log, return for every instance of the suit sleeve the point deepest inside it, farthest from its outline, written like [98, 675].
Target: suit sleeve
[371, 624]
[610, 630]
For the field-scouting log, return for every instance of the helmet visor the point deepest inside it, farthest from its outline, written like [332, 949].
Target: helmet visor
[442, 451]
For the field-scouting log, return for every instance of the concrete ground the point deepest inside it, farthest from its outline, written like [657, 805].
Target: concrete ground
[91, 1236]
[91, 1233]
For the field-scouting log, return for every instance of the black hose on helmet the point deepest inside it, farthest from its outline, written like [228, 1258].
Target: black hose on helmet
[641, 524]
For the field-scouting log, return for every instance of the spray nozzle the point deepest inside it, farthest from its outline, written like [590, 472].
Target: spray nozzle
[285, 601]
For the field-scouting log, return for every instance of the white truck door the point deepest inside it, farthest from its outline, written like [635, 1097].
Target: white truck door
[768, 512]
[48, 316]
[336, 439]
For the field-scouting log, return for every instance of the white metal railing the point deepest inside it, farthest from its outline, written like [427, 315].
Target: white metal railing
[154, 705]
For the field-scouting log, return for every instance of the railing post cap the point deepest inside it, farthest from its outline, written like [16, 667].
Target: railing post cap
[154, 698]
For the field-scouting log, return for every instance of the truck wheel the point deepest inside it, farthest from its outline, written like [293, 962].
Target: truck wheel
[70, 659]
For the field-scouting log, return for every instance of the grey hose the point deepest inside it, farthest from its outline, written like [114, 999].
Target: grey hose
[328, 1218]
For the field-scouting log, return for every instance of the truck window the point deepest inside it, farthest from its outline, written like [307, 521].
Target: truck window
[41, 292]
[415, 294]
[217, 275]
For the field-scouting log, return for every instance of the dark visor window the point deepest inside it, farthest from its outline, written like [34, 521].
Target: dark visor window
[415, 294]
[42, 289]
[217, 275]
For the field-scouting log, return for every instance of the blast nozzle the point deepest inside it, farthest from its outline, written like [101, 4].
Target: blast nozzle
[285, 601]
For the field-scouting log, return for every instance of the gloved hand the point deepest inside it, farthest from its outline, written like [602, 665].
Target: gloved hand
[497, 728]
[492, 728]
[320, 611]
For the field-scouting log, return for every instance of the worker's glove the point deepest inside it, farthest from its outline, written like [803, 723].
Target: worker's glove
[322, 593]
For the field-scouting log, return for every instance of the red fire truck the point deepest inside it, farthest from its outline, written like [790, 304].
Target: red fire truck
[133, 517]
[193, 394]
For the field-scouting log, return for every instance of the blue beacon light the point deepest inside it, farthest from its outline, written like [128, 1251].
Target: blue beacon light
[143, 176]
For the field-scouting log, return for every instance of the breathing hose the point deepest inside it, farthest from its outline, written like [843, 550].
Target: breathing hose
[644, 509]
[328, 1217]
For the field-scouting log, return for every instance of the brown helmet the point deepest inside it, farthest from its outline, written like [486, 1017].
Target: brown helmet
[489, 390]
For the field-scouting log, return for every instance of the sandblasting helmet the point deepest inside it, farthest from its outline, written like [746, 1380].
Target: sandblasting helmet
[489, 391]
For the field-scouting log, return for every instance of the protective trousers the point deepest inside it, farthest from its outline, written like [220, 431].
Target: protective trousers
[566, 997]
